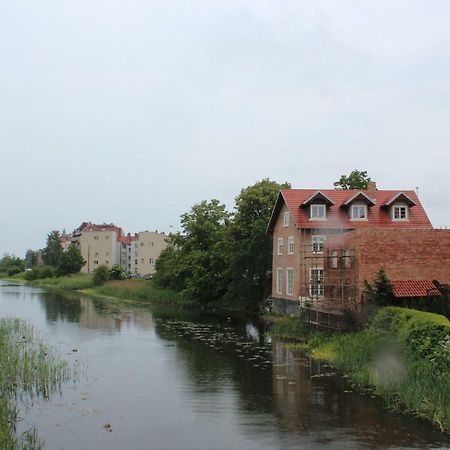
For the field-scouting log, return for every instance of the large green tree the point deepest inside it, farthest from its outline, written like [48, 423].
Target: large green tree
[70, 261]
[250, 259]
[53, 250]
[31, 258]
[11, 264]
[195, 261]
[355, 180]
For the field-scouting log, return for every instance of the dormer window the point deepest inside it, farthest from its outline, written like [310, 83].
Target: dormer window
[318, 212]
[358, 212]
[400, 212]
[317, 204]
[399, 206]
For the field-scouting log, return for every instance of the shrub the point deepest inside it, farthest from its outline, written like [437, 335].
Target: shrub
[101, 274]
[117, 272]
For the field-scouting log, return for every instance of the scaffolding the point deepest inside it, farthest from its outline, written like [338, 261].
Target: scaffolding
[328, 284]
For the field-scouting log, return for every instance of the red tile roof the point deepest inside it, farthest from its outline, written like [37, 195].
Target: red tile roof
[414, 288]
[338, 216]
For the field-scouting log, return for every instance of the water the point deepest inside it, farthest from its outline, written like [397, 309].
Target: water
[168, 380]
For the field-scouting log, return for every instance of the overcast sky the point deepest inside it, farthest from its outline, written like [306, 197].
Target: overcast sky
[131, 111]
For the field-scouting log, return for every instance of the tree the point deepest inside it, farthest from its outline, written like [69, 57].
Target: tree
[356, 180]
[70, 261]
[11, 264]
[53, 249]
[380, 292]
[31, 259]
[195, 261]
[250, 262]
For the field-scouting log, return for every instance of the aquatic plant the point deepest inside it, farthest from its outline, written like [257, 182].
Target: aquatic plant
[28, 370]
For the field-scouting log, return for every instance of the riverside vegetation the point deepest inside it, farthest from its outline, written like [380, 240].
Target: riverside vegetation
[28, 369]
[403, 354]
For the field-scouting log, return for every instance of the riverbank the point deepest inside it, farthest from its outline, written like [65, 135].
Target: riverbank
[28, 369]
[404, 355]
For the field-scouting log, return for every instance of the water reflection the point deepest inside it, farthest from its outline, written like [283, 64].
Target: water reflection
[220, 379]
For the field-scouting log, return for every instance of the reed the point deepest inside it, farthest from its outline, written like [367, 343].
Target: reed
[28, 370]
[405, 355]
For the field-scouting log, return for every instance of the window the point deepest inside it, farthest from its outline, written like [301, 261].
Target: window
[290, 281]
[400, 212]
[142, 244]
[95, 263]
[151, 261]
[358, 212]
[95, 238]
[347, 258]
[286, 219]
[107, 237]
[142, 260]
[279, 281]
[334, 259]
[317, 243]
[96, 254]
[318, 212]
[106, 262]
[135, 246]
[280, 246]
[316, 283]
[290, 245]
[135, 261]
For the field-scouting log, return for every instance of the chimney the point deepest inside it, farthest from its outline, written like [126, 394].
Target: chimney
[371, 186]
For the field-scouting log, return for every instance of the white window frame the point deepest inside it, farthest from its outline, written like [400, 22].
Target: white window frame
[317, 241]
[400, 206]
[290, 245]
[358, 207]
[280, 246]
[290, 281]
[279, 286]
[286, 219]
[318, 211]
[316, 288]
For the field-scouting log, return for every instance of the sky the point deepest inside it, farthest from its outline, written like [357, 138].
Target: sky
[132, 111]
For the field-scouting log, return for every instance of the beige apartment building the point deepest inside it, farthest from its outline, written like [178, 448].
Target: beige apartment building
[106, 244]
[98, 244]
[143, 249]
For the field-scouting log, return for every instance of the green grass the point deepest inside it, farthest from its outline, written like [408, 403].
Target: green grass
[67, 283]
[405, 355]
[289, 328]
[28, 369]
[141, 291]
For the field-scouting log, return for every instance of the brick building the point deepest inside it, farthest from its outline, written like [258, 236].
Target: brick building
[327, 242]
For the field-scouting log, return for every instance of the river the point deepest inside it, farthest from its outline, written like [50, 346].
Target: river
[169, 380]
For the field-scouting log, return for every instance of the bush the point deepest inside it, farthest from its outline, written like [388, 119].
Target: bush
[39, 272]
[117, 272]
[13, 270]
[101, 274]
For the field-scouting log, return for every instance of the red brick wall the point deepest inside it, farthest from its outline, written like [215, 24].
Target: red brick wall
[286, 261]
[404, 254]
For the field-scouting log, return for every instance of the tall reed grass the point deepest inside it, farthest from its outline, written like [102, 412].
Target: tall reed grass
[405, 355]
[28, 370]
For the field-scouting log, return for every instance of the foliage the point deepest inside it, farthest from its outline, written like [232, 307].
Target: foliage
[194, 261]
[380, 292]
[117, 272]
[70, 261]
[31, 258]
[53, 250]
[355, 180]
[11, 265]
[249, 247]
[290, 328]
[100, 275]
[69, 283]
[221, 255]
[40, 272]
[405, 355]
